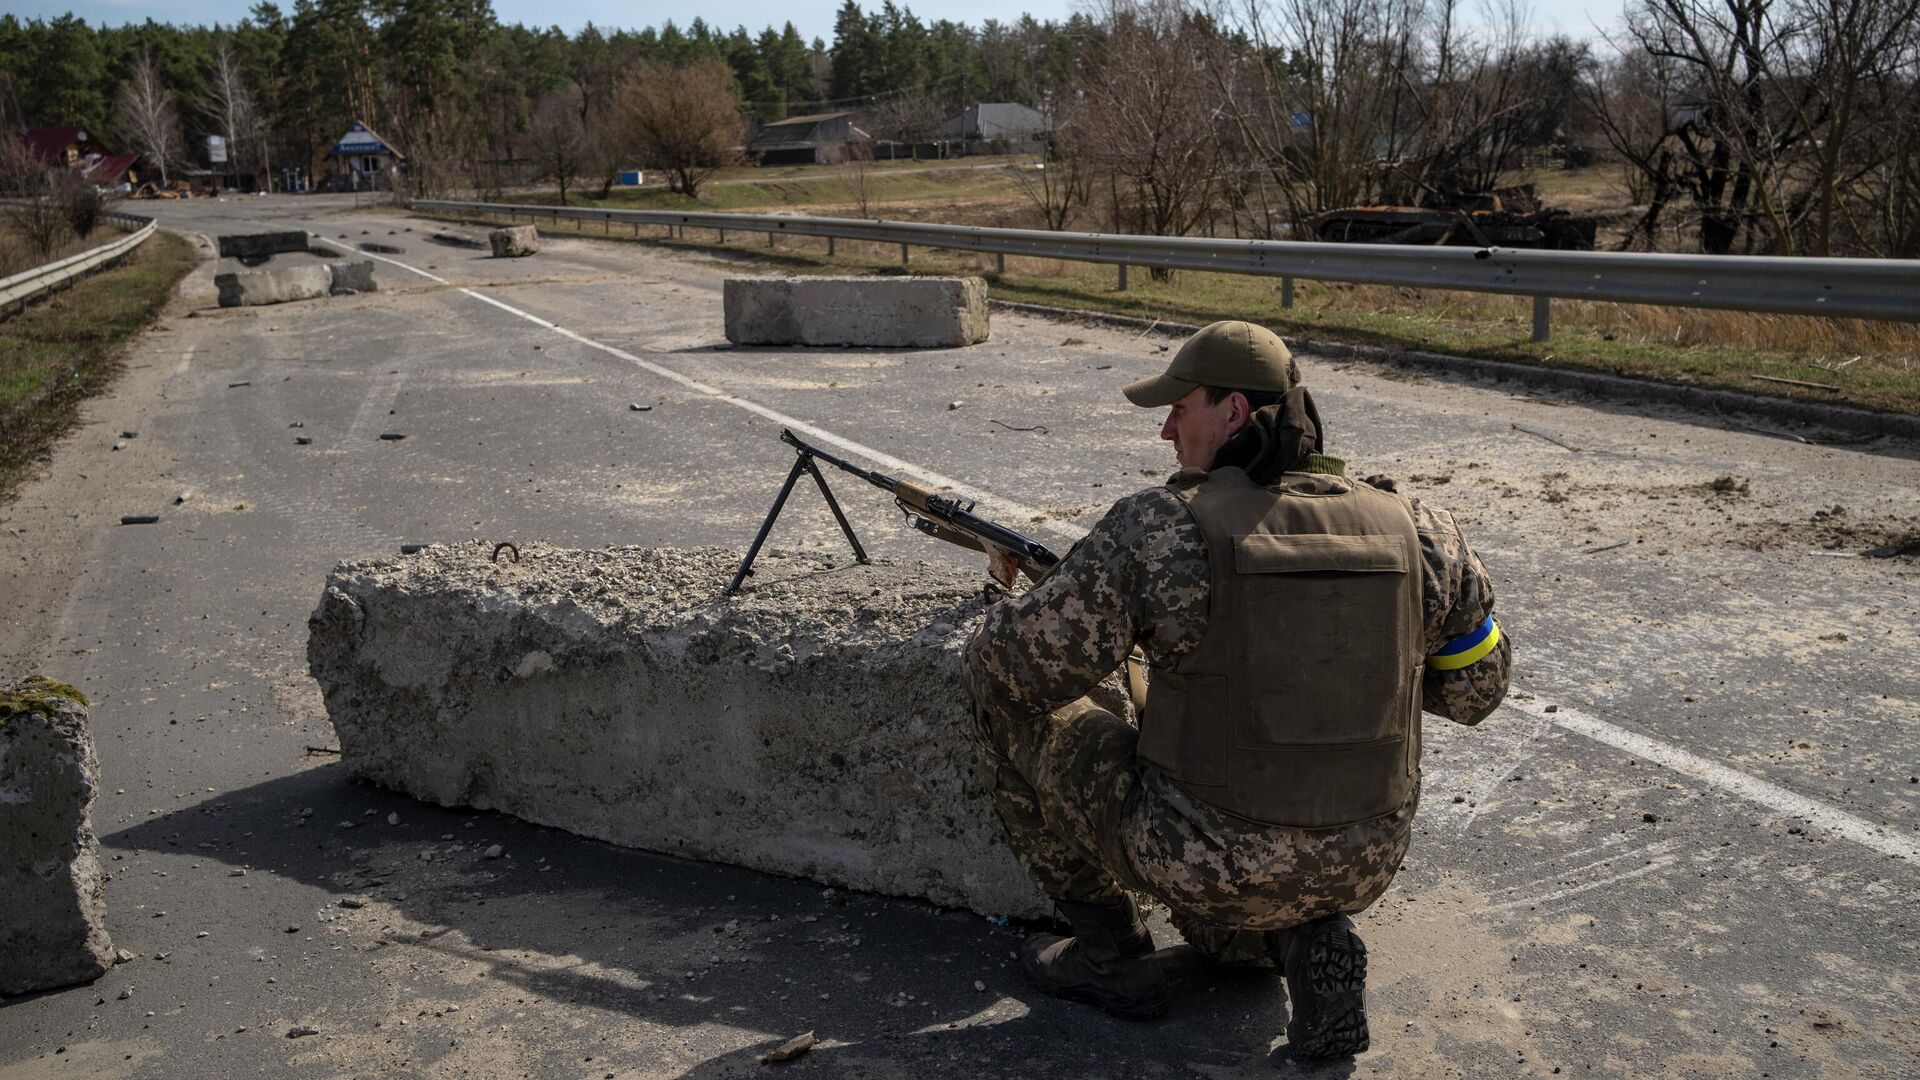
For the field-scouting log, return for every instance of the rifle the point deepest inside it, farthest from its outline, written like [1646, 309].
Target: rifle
[939, 516]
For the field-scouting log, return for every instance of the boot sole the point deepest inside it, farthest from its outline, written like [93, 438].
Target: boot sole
[1337, 973]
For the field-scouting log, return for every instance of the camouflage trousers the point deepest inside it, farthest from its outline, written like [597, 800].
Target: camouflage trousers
[1087, 820]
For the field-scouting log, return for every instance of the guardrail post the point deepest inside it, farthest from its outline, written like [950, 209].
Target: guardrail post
[723, 235]
[903, 254]
[1286, 292]
[1123, 277]
[999, 262]
[1542, 317]
[606, 225]
[829, 247]
[769, 237]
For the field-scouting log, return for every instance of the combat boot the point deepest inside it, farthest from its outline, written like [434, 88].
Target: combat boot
[1108, 962]
[1325, 964]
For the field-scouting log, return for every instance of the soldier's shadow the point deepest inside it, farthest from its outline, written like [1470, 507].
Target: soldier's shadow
[890, 986]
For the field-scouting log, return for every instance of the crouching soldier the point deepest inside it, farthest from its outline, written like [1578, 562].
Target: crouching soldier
[1294, 623]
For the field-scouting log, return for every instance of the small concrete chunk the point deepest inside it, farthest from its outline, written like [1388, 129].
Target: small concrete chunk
[912, 312]
[514, 241]
[354, 276]
[274, 285]
[52, 915]
[814, 725]
[262, 245]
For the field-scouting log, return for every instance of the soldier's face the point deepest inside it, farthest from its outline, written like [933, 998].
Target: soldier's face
[1198, 428]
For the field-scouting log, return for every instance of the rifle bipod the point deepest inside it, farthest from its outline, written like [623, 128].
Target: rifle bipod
[802, 462]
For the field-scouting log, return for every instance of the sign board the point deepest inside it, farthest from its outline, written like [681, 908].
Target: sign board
[216, 150]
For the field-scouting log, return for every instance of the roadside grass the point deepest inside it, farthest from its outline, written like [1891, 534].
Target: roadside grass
[66, 348]
[18, 256]
[1869, 364]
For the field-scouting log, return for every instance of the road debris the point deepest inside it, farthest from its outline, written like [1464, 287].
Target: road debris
[139, 519]
[790, 1049]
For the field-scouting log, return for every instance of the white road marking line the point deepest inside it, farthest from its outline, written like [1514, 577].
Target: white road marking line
[884, 460]
[1888, 841]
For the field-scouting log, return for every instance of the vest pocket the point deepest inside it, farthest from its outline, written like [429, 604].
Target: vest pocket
[1324, 639]
[1184, 731]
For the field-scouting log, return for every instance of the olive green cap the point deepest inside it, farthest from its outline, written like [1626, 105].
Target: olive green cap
[1230, 354]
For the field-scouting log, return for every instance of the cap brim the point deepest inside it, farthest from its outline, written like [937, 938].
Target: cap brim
[1158, 391]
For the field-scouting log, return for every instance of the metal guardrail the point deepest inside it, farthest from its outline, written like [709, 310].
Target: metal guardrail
[1841, 288]
[18, 290]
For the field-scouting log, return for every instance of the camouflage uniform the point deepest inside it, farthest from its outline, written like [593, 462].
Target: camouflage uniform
[1086, 819]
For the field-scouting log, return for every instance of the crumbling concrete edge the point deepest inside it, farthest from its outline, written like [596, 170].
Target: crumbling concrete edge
[1612, 387]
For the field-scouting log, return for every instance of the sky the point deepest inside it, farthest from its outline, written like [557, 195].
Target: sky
[813, 18]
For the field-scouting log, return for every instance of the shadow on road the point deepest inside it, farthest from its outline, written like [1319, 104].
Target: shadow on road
[631, 938]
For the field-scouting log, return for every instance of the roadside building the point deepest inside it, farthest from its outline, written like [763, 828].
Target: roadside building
[74, 149]
[817, 139]
[363, 160]
[1002, 127]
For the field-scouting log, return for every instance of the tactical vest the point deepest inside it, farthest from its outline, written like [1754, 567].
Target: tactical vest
[1300, 706]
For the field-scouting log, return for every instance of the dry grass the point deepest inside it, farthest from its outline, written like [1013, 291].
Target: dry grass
[18, 256]
[66, 348]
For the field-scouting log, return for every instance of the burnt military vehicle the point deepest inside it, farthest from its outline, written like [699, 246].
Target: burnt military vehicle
[1479, 220]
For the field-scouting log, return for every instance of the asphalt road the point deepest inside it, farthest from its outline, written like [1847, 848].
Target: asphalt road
[1687, 847]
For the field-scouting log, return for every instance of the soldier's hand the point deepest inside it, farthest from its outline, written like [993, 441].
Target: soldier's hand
[1002, 568]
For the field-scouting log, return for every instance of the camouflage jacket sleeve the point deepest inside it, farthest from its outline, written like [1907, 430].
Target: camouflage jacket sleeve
[1458, 597]
[1140, 577]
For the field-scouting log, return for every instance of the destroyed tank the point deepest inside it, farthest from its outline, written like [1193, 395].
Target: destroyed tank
[1481, 220]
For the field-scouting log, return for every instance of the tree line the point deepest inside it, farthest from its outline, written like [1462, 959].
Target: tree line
[1783, 126]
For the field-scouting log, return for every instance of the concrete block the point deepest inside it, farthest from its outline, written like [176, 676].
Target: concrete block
[514, 241]
[356, 276]
[912, 312]
[814, 725]
[52, 916]
[261, 246]
[274, 285]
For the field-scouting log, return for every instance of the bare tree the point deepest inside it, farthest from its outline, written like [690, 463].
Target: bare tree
[685, 120]
[909, 117]
[39, 214]
[229, 105]
[1319, 98]
[147, 117]
[1786, 123]
[1149, 117]
[558, 141]
[1058, 185]
[856, 173]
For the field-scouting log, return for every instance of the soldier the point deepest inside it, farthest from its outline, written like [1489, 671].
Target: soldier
[1294, 622]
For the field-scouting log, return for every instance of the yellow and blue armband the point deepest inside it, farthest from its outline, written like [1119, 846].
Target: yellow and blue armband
[1464, 650]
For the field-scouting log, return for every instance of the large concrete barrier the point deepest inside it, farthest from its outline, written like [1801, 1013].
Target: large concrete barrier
[908, 312]
[52, 916]
[274, 285]
[250, 247]
[514, 241]
[352, 276]
[814, 725]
